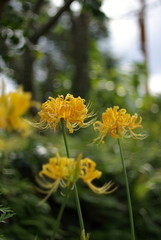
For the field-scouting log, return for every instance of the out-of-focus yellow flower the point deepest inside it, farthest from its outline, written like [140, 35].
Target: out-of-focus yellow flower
[63, 171]
[12, 106]
[118, 123]
[72, 110]
[12, 143]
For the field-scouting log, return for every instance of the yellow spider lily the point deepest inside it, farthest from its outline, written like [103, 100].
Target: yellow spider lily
[72, 110]
[118, 123]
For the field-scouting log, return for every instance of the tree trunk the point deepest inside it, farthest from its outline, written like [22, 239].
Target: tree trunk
[80, 45]
[25, 74]
[48, 88]
[143, 42]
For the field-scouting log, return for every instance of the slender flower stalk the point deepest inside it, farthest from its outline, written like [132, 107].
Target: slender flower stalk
[65, 137]
[60, 213]
[81, 222]
[128, 192]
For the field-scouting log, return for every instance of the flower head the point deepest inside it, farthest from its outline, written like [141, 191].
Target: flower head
[12, 106]
[63, 171]
[72, 110]
[118, 123]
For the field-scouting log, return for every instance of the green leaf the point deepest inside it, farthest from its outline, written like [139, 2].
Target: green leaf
[5, 213]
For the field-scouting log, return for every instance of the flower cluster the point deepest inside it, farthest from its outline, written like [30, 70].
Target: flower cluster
[12, 106]
[72, 110]
[118, 123]
[63, 171]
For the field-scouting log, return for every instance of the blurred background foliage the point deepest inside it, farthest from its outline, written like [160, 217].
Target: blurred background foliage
[49, 51]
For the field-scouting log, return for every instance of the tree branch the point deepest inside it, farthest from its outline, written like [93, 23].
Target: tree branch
[52, 21]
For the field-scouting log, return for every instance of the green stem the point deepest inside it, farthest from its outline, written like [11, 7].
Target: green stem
[75, 187]
[65, 138]
[66, 196]
[79, 208]
[60, 213]
[128, 193]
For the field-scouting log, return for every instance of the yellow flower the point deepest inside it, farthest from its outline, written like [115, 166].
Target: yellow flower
[12, 106]
[63, 171]
[72, 110]
[118, 123]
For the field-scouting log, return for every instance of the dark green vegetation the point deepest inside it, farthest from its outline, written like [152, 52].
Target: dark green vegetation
[66, 58]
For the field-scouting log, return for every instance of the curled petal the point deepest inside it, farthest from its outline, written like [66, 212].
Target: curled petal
[88, 170]
[43, 182]
[49, 188]
[105, 189]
